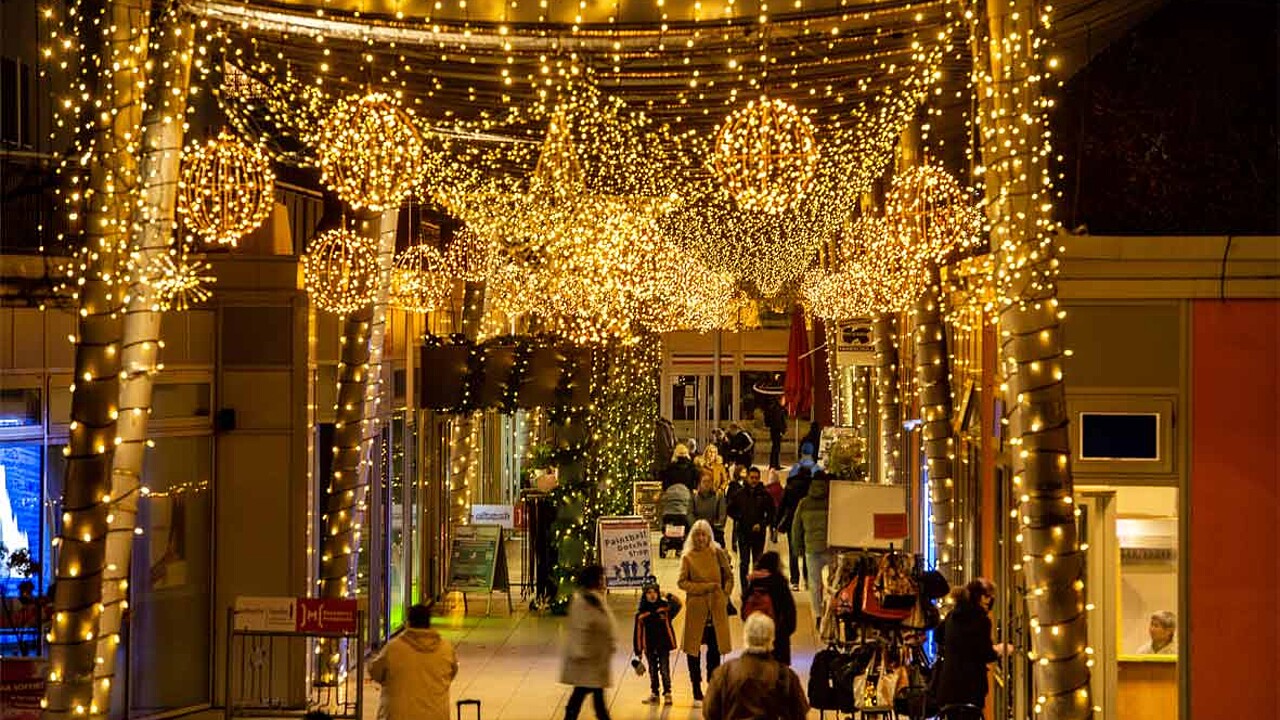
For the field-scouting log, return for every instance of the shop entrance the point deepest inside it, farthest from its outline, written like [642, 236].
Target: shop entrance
[690, 401]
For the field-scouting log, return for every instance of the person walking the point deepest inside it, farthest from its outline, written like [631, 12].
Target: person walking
[589, 645]
[741, 446]
[706, 577]
[681, 470]
[654, 639]
[415, 669]
[710, 460]
[752, 512]
[710, 505]
[766, 581]
[809, 534]
[755, 686]
[797, 487]
[966, 649]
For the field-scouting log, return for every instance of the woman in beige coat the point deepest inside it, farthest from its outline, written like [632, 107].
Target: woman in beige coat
[706, 577]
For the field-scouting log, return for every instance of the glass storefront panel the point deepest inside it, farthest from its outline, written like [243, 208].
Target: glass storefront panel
[171, 591]
[22, 576]
[20, 408]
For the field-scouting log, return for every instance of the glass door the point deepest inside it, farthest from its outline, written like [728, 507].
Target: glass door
[692, 401]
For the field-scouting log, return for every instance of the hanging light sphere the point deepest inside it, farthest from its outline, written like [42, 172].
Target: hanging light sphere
[371, 153]
[340, 270]
[225, 190]
[471, 257]
[766, 155]
[932, 214]
[419, 280]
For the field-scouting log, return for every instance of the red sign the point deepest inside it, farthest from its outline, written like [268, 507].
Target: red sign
[320, 616]
[22, 687]
[891, 526]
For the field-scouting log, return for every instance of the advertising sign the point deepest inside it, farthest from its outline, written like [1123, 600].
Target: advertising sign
[475, 557]
[266, 614]
[501, 515]
[327, 616]
[644, 499]
[313, 616]
[22, 685]
[625, 551]
[854, 344]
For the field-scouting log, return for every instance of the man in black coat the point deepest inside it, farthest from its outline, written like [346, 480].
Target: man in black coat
[741, 446]
[752, 511]
[775, 418]
[797, 488]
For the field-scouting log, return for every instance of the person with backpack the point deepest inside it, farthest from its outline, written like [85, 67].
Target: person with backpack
[653, 638]
[767, 593]
[796, 488]
[754, 686]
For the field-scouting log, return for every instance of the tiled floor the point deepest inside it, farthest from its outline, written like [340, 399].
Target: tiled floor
[511, 662]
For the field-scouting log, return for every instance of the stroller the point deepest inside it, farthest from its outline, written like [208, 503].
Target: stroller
[674, 529]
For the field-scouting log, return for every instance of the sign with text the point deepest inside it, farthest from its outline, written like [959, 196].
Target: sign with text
[854, 343]
[625, 551]
[328, 616]
[266, 614]
[476, 559]
[500, 515]
[644, 499]
[891, 526]
[22, 686]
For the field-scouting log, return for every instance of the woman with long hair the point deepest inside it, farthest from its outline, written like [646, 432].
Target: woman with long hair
[706, 577]
[967, 648]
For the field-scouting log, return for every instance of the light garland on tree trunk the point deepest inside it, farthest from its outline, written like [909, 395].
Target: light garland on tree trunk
[933, 385]
[884, 333]
[163, 128]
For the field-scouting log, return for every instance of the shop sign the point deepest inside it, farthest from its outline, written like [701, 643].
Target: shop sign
[266, 614]
[327, 616]
[502, 515]
[22, 686]
[891, 526]
[477, 560]
[625, 551]
[855, 344]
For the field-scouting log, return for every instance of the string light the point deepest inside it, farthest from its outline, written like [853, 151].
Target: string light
[420, 281]
[340, 269]
[226, 189]
[932, 215]
[370, 151]
[180, 279]
[765, 155]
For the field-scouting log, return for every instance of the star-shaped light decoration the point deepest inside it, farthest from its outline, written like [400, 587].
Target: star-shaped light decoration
[179, 279]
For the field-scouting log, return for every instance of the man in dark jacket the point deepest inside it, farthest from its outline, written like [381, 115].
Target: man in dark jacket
[755, 685]
[797, 488]
[742, 447]
[775, 418]
[752, 511]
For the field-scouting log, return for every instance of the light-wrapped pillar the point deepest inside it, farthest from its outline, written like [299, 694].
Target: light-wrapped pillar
[884, 332]
[933, 386]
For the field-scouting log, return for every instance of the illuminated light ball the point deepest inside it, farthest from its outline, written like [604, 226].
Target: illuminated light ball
[932, 214]
[766, 155]
[180, 280]
[226, 189]
[340, 270]
[420, 282]
[471, 257]
[370, 151]
[514, 290]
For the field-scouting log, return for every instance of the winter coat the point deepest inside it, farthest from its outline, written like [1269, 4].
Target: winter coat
[653, 631]
[710, 506]
[775, 418]
[706, 577]
[589, 642]
[755, 687]
[797, 487]
[681, 471]
[966, 649]
[676, 500]
[809, 528]
[784, 603]
[775, 492]
[751, 506]
[719, 473]
[741, 448]
[664, 444]
[415, 669]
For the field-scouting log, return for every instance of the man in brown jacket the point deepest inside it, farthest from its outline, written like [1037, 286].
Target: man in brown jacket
[755, 686]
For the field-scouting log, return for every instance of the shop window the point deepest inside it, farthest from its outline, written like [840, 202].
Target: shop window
[179, 401]
[20, 408]
[22, 570]
[170, 631]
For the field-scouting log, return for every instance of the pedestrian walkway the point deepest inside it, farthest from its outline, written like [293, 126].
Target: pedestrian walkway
[511, 663]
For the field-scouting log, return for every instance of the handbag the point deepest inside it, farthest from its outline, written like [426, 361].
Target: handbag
[726, 569]
[872, 608]
[895, 583]
[875, 687]
[924, 615]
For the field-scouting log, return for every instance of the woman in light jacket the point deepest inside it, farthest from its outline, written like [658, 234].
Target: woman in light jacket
[710, 460]
[706, 577]
[589, 645]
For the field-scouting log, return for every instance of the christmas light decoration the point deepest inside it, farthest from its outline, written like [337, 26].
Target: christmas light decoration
[929, 212]
[765, 155]
[471, 257]
[370, 151]
[420, 280]
[180, 279]
[226, 189]
[876, 274]
[339, 270]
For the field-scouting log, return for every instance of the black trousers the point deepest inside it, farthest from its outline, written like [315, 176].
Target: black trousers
[579, 694]
[659, 669]
[713, 660]
[782, 648]
[750, 548]
[775, 448]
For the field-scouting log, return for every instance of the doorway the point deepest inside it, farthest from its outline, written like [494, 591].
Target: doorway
[690, 403]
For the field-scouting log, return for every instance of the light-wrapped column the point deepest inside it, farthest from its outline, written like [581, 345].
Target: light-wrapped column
[884, 331]
[933, 386]
[163, 132]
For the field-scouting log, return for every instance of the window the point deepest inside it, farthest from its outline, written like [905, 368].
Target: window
[15, 103]
[1119, 436]
[22, 538]
[20, 408]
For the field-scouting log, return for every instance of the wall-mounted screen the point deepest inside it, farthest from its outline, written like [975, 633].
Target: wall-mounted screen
[1119, 436]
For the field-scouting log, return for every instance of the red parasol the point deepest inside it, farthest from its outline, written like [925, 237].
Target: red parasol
[798, 387]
